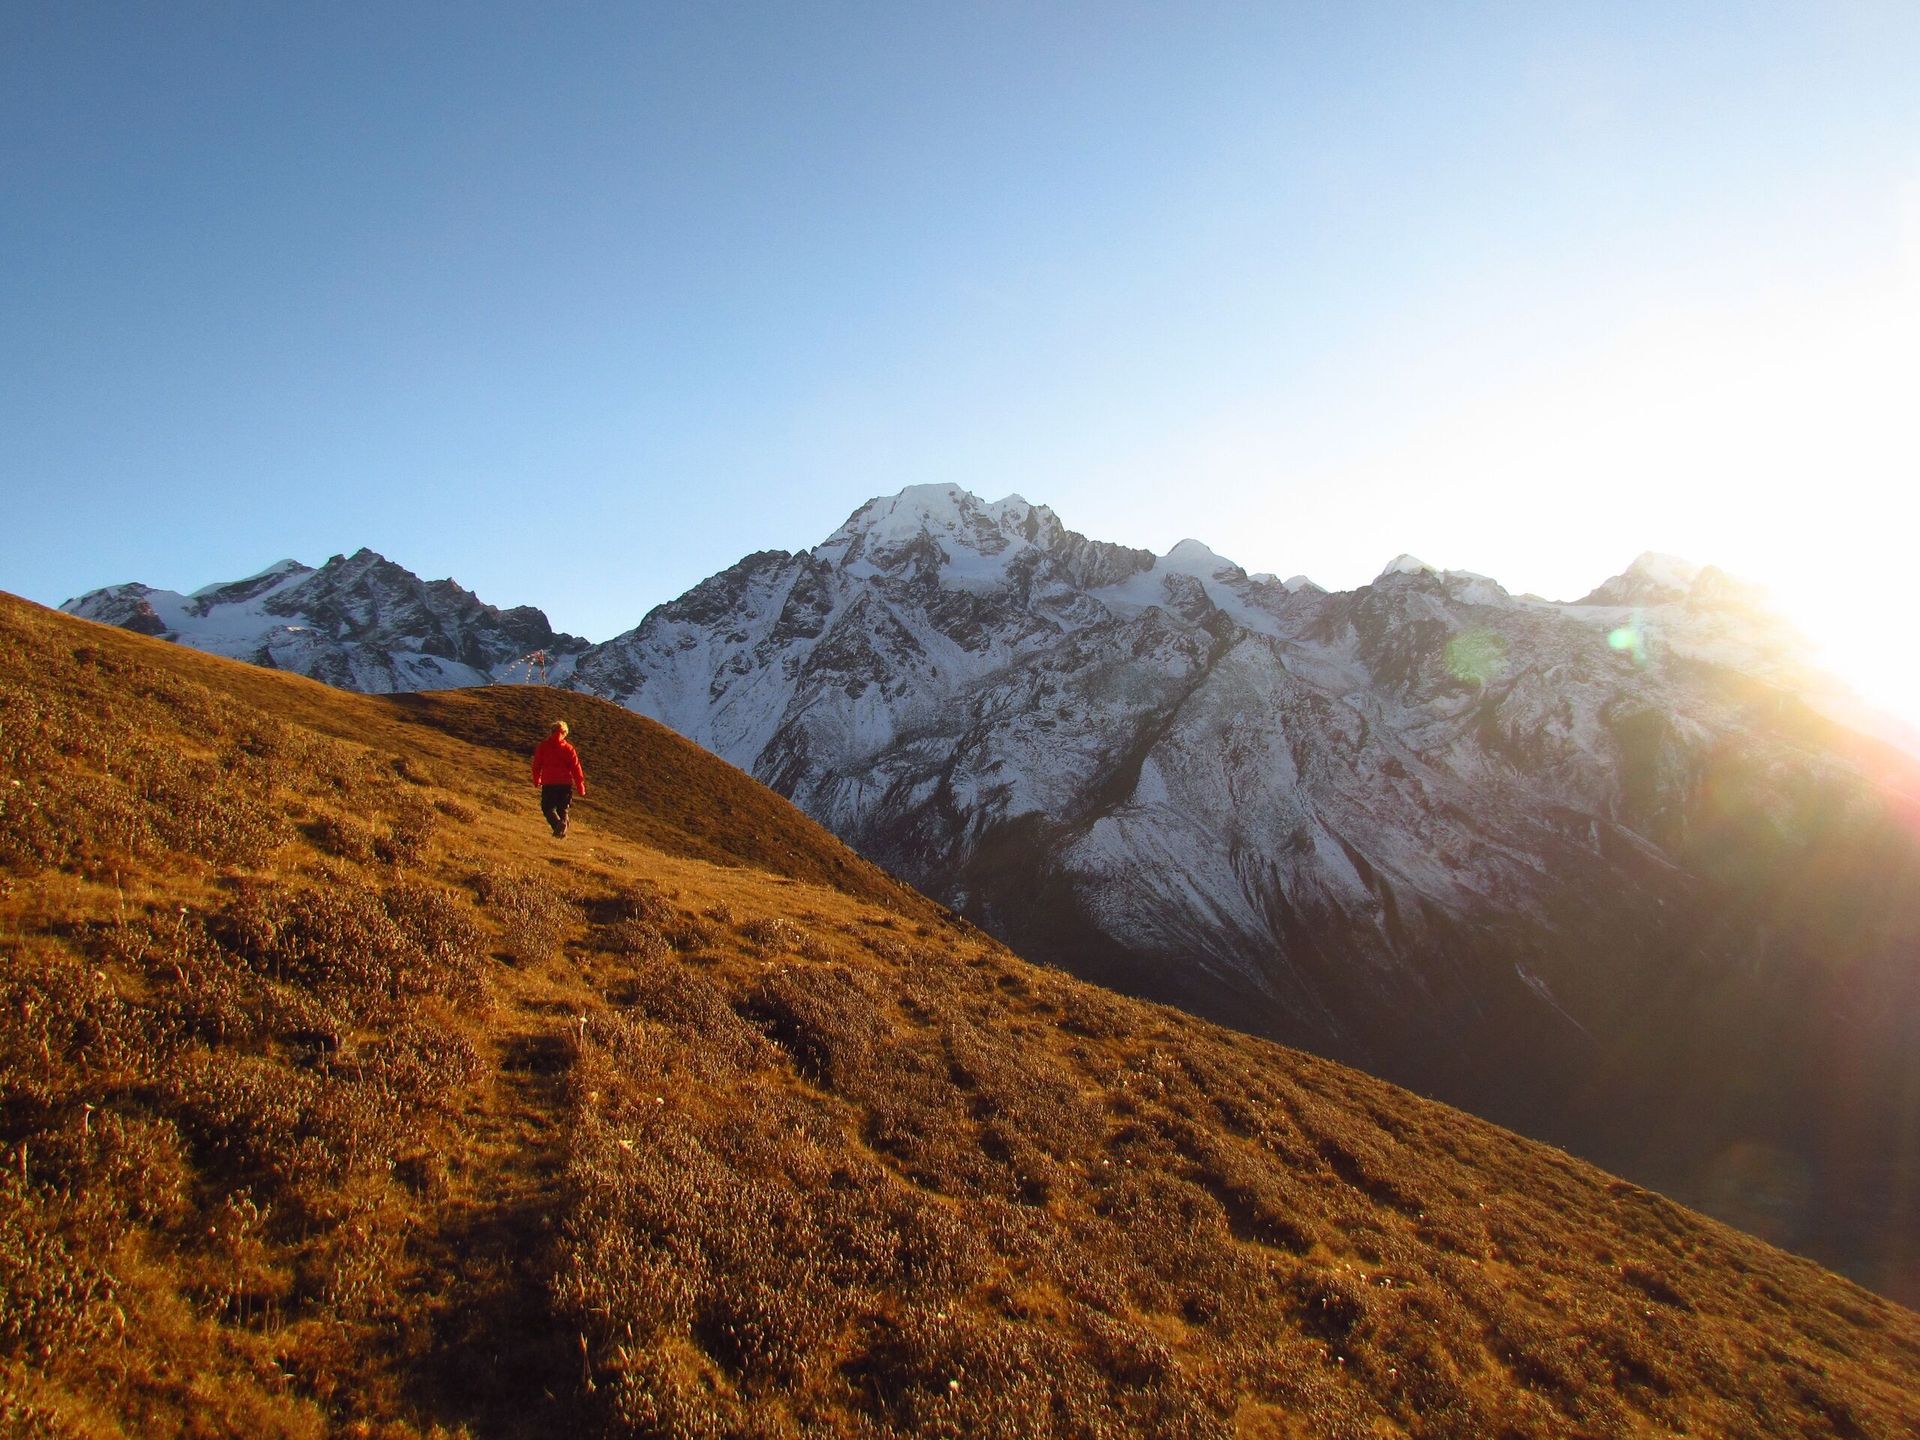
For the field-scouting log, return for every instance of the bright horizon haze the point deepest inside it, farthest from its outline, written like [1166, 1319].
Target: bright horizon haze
[579, 304]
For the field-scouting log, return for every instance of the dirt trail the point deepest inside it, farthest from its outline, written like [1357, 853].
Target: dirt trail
[498, 1358]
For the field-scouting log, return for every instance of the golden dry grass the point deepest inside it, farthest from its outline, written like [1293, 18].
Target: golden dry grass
[337, 1098]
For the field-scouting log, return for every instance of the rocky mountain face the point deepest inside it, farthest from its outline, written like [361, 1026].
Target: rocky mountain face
[1601, 870]
[360, 622]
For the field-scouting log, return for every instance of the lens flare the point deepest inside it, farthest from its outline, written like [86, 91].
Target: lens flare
[1477, 656]
[1630, 639]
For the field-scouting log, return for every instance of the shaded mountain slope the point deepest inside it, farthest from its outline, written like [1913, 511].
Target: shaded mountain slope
[335, 1097]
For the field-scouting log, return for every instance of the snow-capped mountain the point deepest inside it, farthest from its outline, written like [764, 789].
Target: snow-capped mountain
[1541, 858]
[1604, 870]
[360, 622]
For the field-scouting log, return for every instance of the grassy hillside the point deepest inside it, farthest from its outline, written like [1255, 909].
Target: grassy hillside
[337, 1098]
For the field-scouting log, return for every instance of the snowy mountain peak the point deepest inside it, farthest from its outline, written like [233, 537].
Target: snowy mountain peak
[1668, 570]
[1298, 583]
[1714, 586]
[916, 509]
[1190, 553]
[1407, 565]
[941, 524]
[929, 502]
[1652, 579]
[259, 580]
[1036, 523]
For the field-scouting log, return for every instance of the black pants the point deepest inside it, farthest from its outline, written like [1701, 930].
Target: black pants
[554, 800]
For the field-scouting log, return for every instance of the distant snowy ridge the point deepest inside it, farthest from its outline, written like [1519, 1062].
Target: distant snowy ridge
[359, 622]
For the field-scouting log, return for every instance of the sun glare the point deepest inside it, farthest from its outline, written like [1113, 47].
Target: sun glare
[1865, 637]
[1779, 442]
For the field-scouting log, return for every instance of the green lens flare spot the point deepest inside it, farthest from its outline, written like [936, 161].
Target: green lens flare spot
[1630, 639]
[1478, 657]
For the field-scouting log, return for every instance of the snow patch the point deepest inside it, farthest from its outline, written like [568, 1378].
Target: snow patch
[1406, 565]
[1670, 572]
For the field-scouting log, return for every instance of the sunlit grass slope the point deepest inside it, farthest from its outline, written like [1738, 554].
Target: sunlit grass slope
[337, 1098]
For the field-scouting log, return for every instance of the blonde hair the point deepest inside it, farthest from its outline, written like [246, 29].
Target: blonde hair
[559, 727]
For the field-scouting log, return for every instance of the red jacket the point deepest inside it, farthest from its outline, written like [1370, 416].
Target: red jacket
[555, 762]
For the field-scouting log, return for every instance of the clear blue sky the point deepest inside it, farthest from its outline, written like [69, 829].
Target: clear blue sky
[578, 304]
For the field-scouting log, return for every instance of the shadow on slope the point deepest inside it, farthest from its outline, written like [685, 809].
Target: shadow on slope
[1713, 989]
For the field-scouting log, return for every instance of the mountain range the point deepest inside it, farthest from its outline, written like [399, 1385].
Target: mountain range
[1607, 871]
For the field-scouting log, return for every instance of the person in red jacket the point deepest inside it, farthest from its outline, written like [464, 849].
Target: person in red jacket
[556, 770]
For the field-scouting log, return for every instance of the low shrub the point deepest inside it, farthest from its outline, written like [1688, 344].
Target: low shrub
[134, 1162]
[344, 838]
[823, 1018]
[533, 915]
[705, 1032]
[413, 770]
[57, 1287]
[772, 933]
[408, 939]
[449, 948]
[411, 825]
[455, 809]
[419, 1064]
